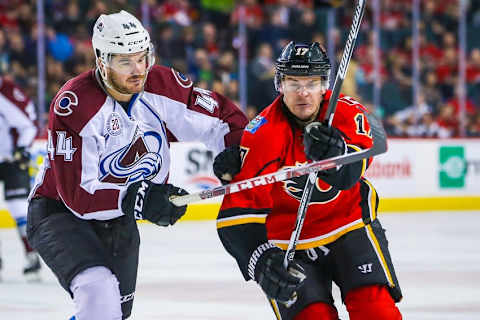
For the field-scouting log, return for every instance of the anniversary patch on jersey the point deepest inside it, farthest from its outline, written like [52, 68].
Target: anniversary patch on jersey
[182, 79]
[64, 103]
[255, 124]
[114, 124]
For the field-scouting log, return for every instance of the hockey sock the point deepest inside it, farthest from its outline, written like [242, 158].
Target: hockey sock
[96, 295]
[371, 302]
[318, 310]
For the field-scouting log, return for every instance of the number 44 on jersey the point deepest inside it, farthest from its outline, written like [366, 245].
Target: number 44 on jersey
[64, 146]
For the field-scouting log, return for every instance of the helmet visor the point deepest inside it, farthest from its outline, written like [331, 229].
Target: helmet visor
[131, 64]
[311, 84]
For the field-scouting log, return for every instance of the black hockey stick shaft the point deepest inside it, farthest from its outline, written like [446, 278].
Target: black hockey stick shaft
[329, 114]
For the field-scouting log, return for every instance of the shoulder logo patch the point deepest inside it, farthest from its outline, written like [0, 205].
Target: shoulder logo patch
[114, 124]
[255, 124]
[64, 103]
[182, 79]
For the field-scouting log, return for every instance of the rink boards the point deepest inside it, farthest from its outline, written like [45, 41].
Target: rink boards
[414, 175]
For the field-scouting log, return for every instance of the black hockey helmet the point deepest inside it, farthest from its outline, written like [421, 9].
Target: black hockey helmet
[302, 59]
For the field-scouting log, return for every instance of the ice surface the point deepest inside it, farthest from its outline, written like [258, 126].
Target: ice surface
[185, 274]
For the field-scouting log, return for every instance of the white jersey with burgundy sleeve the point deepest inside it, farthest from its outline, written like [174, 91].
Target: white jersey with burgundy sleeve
[17, 116]
[96, 148]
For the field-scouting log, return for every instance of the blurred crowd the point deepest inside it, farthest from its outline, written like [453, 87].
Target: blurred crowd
[201, 39]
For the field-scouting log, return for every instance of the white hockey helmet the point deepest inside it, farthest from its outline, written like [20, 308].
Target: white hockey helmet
[120, 33]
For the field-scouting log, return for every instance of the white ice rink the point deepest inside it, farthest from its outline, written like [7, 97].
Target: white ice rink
[185, 274]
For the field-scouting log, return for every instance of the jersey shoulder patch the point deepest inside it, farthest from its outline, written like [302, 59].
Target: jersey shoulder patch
[170, 83]
[78, 100]
[255, 124]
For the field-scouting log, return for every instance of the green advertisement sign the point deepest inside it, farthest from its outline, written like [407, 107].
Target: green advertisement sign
[453, 167]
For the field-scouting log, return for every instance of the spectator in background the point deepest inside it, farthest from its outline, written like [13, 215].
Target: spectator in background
[59, 45]
[203, 71]
[69, 19]
[208, 40]
[431, 91]
[408, 122]
[261, 74]
[217, 12]
[303, 25]
[473, 128]
[447, 122]
[447, 72]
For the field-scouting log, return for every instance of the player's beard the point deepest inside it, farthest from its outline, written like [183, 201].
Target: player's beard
[128, 87]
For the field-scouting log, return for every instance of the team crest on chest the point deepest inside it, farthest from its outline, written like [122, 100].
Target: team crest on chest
[138, 160]
[114, 124]
[322, 193]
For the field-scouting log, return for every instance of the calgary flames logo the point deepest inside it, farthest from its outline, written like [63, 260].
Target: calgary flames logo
[322, 193]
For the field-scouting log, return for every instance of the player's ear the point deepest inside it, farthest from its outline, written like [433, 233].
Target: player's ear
[280, 87]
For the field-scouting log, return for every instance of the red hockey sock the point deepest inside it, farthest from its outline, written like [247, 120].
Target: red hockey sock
[318, 310]
[371, 302]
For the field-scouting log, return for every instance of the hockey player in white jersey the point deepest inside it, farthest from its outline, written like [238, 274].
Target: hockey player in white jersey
[108, 159]
[17, 131]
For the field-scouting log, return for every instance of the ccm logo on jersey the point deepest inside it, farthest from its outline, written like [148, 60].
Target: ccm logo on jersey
[64, 103]
[139, 199]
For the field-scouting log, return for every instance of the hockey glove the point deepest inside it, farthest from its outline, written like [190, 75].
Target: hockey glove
[227, 164]
[322, 142]
[277, 282]
[150, 201]
[21, 157]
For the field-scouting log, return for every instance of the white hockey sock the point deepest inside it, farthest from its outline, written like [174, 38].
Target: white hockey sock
[96, 295]
[18, 210]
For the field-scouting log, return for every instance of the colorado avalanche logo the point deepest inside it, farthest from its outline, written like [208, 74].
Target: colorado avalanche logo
[182, 79]
[132, 163]
[64, 103]
[322, 193]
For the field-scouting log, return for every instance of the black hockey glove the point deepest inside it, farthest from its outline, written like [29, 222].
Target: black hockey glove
[322, 142]
[148, 200]
[227, 164]
[277, 282]
[21, 157]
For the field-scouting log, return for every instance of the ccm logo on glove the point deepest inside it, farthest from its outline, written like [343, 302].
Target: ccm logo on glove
[151, 201]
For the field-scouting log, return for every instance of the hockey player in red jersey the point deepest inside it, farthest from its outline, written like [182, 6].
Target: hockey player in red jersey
[17, 129]
[108, 160]
[342, 240]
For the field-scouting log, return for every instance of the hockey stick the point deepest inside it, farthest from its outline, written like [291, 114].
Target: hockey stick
[379, 146]
[330, 112]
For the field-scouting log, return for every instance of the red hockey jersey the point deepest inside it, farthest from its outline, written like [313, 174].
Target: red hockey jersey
[270, 142]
